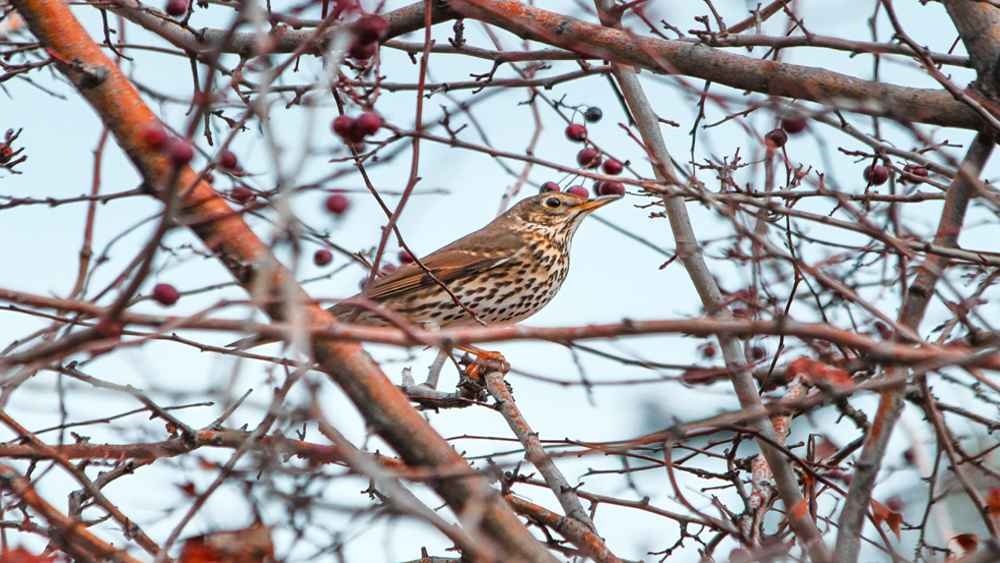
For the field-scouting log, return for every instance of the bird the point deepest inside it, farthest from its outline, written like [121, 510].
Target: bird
[503, 273]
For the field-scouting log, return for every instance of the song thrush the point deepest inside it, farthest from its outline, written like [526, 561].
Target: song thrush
[504, 272]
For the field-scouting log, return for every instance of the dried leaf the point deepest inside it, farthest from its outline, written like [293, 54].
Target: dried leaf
[816, 372]
[993, 502]
[968, 542]
[249, 545]
[881, 513]
[21, 555]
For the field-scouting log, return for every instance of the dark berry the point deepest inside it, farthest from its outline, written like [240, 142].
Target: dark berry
[322, 257]
[884, 331]
[369, 28]
[895, 504]
[241, 194]
[209, 177]
[740, 312]
[6, 153]
[588, 158]
[578, 190]
[109, 328]
[910, 456]
[176, 7]
[405, 257]
[776, 138]
[343, 125]
[609, 188]
[876, 175]
[549, 187]
[612, 167]
[156, 137]
[165, 294]
[794, 125]
[337, 204]
[576, 133]
[180, 151]
[227, 160]
[757, 353]
[362, 51]
[916, 171]
[367, 124]
[593, 114]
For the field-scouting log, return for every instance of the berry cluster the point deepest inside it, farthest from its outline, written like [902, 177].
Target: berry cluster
[589, 158]
[179, 151]
[789, 126]
[354, 130]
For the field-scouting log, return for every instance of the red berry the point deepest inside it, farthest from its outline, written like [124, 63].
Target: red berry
[708, 351]
[362, 51]
[228, 160]
[405, 257]
[176, 7]
[612, 167]
[180, 151]
[740, 312]
[876, 175]
[388, 269]
[794, 125]
[343, 125]
[155, 137]
[322, 257]
[593, 114]
[165, 294]
[209, 177]
[776, 138]
[369, 28]
[549, 187]
[337, 204]
[576, 133]
[367, 124]
[578, 190]
[609, 188]
[109, 328]
[241, 194]
[588, 158]
[6, 153]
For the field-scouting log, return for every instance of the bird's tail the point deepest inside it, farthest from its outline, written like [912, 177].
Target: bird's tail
[251, 342]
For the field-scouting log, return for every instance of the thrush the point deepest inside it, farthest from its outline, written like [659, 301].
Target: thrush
[502, 273]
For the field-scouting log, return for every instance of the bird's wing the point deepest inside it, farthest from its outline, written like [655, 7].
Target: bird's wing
[467, 256]
[453, 262]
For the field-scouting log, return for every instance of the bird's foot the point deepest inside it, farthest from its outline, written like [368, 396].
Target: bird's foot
[485, 361]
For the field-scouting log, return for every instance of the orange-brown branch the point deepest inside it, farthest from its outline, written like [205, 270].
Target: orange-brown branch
[384, 407]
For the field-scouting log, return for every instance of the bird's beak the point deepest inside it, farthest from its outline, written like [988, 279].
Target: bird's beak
[592, 204]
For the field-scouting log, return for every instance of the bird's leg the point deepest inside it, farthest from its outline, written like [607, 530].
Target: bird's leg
[484, 359]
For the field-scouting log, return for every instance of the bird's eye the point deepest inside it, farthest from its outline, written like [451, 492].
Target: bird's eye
[552, 202]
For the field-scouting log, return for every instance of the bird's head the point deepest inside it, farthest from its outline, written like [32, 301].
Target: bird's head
[555, 215]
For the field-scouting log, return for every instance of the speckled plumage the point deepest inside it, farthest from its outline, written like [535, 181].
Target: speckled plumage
[504, 272]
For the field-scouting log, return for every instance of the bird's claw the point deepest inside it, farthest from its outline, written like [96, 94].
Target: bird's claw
[486, 361]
